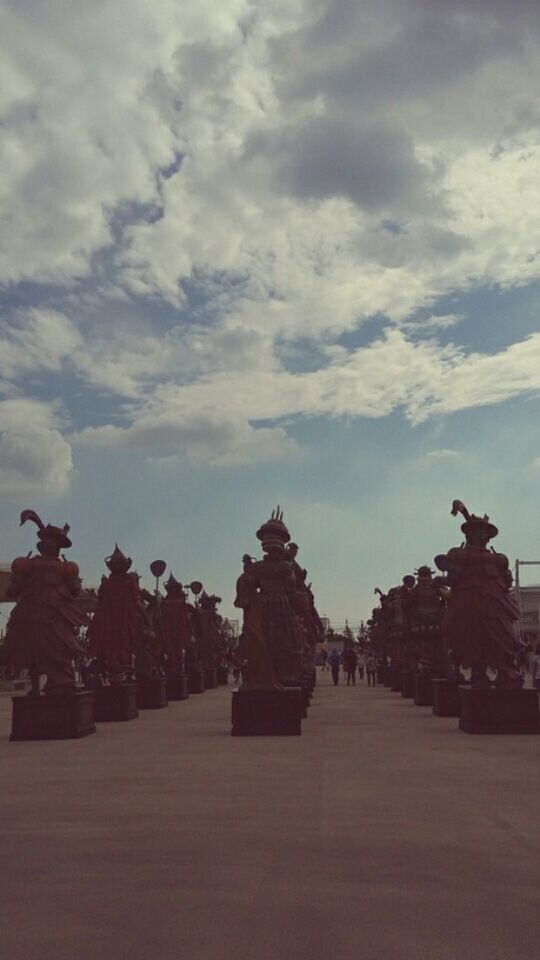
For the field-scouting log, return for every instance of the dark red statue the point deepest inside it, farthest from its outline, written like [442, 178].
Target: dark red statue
[480, 626]
[42, 630]
[176, 625]
[115, 630]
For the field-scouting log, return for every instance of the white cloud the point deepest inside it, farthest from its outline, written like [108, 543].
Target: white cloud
[243, 166]
[443, 455]
[35, 459]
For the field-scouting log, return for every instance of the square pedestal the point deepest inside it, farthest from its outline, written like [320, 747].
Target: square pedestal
[407, 684]
[381, 672]
[395, 679]
[196, 680]
[53, 717]
[304, 693]
[423, 690]
[116, 702]
[491, 710]
[272, 713]
[152, 693]
[210, 678]
[177, 686]
[387, 681]
[222, 676]
[446, 698]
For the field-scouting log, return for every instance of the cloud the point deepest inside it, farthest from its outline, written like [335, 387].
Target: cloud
[443, 455]
[35, 459]
[210, 437]
[204, 189]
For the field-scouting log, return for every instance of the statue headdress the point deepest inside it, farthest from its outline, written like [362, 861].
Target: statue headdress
[118, 557]
[273, 532]
[472, 521]
[49, 532]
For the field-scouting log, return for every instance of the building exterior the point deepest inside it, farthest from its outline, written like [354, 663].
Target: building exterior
[528, 600]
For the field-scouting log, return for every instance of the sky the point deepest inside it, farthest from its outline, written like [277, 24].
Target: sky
[284, 251]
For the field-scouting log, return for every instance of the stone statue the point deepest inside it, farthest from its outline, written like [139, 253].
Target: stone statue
[481, 619]
[258, 670]
[427, 608]
[43, 627]
[276, 585]
[115, 630]
[176, 626]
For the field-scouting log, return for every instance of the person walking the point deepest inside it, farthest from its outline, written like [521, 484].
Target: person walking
[361, 664]
[371, 670]
[349, 662]
[334, 660]
[324, 659]
[535, 669]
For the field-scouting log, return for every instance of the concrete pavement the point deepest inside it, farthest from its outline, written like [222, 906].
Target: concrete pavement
[382, 833]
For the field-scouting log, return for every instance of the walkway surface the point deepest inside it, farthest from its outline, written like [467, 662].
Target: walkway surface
[382, 833]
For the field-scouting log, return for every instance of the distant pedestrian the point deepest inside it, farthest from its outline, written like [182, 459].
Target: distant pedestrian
[324, 659]
[334, 661]
[361, 665]
[350, 662]
[371, 670]
[535, 668]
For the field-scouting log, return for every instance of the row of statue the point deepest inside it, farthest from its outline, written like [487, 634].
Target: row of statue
[465, 618]
[132, 633]
[135, 634]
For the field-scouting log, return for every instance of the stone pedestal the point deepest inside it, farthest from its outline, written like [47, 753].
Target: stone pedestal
[407, 684]
[196, 680]
[116, 702]
[274, 713]
[210, 678]
[423, 690]
[299, 684]
[395, 678]
[445, 698]
[222, 676]
[492, 710]
[53, 717]
[387, 679]
[313, 678]
[177, 686]
[152, 693]
[381, 672]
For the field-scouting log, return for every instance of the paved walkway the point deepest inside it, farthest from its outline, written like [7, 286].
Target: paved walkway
[382, 834]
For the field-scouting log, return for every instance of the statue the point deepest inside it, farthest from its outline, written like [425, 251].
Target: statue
[481, 619]
[277, 585]
[115, 630]
[427, 608]
[271, 700]
[258, 670]
[43, 627]
[176, 626]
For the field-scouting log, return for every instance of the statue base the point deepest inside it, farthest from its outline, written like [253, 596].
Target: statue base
[196, 680]
[177, 686]
[267, 713]
[152, 693]
[222, 676]
[299, 684]
[395, 679]
[116, 702]
[445, 698]
[407, 684]
[495, 710]
[53, 717]
[313, 678]
[423, 690]
[381, 675]
[210, 678]
[387, 682]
